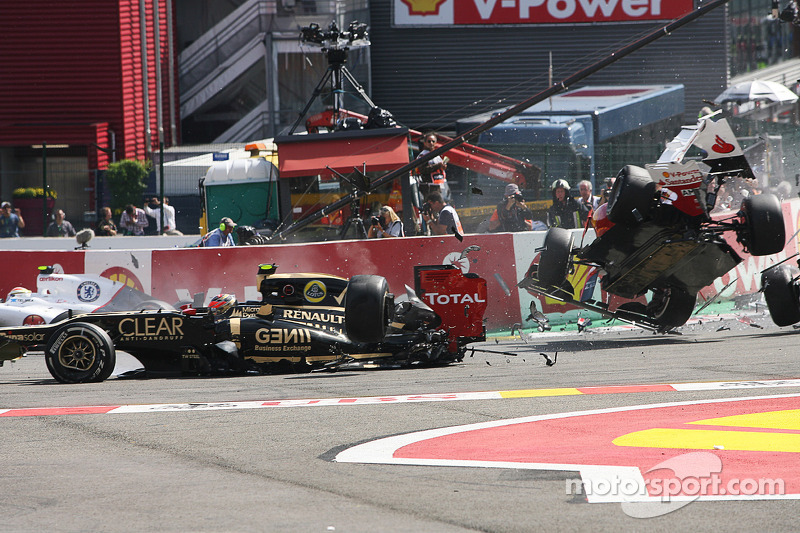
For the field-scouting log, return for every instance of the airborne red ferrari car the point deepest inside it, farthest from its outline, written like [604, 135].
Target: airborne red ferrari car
[656, 234]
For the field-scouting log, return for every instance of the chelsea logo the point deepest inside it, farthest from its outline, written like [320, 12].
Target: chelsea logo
[88, 291]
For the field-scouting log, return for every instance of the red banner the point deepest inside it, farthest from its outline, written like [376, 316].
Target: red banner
[475, 12]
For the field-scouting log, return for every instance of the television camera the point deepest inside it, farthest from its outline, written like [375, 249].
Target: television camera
[356, 35]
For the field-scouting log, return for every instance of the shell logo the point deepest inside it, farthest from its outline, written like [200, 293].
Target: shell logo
[124, 276]
[423, 7]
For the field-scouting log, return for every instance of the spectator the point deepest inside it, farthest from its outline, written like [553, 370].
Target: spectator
[588, 201]
[133, 220]
[433, 177]
[386, 224]
[154, 210]
[106, 226]
[605, 192]
[440, 217]
[565, 211]
[512, 214]
[10, 222]
[60, 227]
[221, 236]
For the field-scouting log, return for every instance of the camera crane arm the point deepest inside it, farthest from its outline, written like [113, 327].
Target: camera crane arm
[508, 113]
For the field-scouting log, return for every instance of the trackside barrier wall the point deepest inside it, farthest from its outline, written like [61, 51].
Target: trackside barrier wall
[176, 274]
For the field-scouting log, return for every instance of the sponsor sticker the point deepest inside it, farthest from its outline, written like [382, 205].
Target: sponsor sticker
[315, 291]
[88, 291]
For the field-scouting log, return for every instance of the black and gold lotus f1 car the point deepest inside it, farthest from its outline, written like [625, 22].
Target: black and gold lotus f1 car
[303, 322]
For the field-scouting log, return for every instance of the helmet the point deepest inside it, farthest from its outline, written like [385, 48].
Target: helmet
[18, 292]
[560, 183]
[222, 303]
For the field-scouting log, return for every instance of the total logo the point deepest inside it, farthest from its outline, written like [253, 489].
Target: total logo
[436, 298]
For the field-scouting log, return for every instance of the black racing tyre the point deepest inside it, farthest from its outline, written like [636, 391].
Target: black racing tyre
[80, 352]
[633, 192]
[671, 308]
[367, 308]
[781, 296]
[764, 231]
[554, 261]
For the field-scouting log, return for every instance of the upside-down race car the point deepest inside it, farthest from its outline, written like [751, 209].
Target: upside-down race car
[303, 322]
[656, 232]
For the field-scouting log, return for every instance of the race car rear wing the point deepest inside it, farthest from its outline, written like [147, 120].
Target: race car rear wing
[721, 150]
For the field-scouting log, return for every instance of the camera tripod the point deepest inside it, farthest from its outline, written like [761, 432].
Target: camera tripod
[335, 75]
[355, 220]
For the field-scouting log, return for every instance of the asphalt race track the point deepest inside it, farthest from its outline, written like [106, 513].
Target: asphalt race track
[303, 452]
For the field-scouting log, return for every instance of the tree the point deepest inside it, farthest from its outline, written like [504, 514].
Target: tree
[128, 181]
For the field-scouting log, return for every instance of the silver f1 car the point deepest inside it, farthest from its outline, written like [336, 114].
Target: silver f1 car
[57, 294]
[303, 322]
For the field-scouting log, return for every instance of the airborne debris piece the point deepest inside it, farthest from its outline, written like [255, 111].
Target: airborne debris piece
[542, 322]
[502, 283]
[468, 249]
[518, 328]
[656, 232]
[547, 360]
[583, 323]
[476, 190]
[303, 322]
[714, 298]
[482, 350]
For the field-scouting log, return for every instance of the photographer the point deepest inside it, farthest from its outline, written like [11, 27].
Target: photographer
[441, 218]
[512, 214]
[386, 224]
